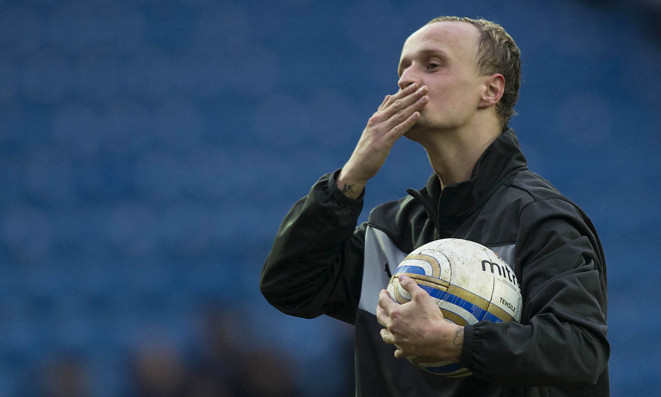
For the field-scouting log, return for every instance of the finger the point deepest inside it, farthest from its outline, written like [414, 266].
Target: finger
[402, 128]
[402, 121]
[387, 336]
[404, 99]
[408, 90]
[396, 111]
[411, 286]
[399, 353]
[386, 303]
[385, 102]
[381, 317]
[401, 94]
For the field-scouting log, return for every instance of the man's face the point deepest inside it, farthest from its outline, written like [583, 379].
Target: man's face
[443, 56]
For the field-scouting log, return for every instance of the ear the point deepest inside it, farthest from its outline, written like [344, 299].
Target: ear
[494, 87]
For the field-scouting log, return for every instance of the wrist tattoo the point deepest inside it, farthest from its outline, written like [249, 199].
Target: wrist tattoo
[347, 188]
[459, 337]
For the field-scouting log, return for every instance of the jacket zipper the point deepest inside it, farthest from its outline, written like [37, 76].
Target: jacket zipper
[428, 207]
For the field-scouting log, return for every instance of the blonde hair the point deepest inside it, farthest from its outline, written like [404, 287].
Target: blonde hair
[497, 53]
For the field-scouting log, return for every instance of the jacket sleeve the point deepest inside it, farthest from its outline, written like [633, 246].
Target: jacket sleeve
[315, 264]
[561, 340]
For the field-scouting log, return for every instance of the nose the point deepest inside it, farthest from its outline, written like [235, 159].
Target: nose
[408, 77]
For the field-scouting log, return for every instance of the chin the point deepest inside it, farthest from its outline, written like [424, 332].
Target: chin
[420, 129]
[416, 133]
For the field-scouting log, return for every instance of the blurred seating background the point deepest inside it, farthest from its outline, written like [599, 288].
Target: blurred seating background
[150, 148]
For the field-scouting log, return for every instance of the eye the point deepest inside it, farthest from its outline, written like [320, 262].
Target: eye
[433, 65]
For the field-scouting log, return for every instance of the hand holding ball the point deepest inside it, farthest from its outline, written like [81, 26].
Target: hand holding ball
[468, 282]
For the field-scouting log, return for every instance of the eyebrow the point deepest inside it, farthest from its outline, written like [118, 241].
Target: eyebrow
[424, 53]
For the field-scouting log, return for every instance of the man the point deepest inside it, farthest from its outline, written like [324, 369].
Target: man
[459, 81]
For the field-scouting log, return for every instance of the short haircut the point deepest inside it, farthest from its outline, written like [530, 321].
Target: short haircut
[497, 53]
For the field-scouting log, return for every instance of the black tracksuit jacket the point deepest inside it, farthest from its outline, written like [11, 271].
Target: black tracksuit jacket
[321, 263]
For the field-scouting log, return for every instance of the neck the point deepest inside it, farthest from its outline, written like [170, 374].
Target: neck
[453, 153]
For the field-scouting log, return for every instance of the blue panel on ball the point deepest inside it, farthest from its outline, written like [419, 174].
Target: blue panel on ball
[478, 312]
[410, 269]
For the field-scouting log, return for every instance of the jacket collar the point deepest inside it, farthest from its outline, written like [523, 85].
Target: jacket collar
[459, 200]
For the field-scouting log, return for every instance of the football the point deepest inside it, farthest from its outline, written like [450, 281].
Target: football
[469, 283]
